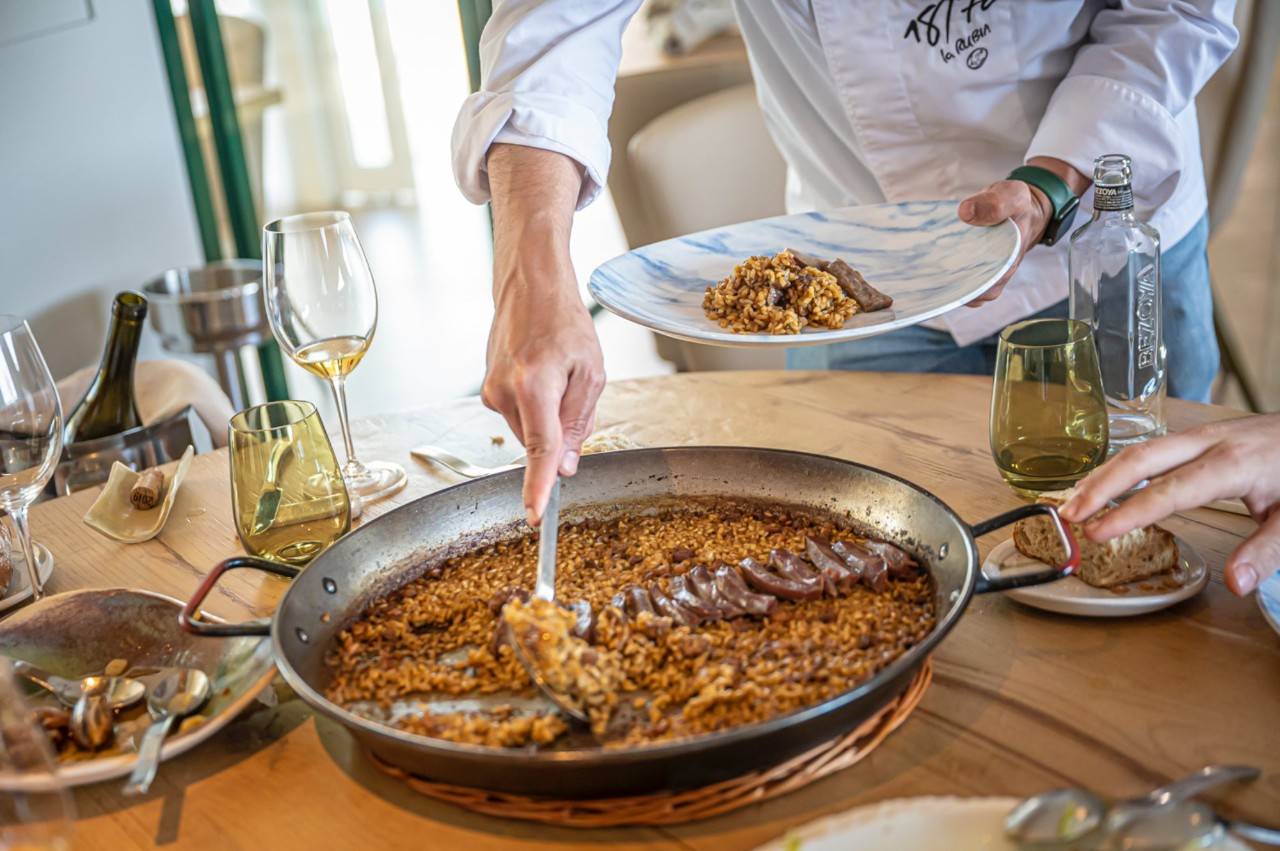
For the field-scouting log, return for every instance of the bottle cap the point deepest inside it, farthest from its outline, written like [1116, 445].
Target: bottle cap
[129, 305]
[1112, 174]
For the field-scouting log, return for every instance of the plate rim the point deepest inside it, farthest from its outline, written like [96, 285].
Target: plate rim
[1120, 606]
[86, 772]
[869, 813]
[45, 563]
[728, 339]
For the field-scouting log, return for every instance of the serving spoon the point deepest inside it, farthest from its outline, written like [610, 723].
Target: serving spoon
[1064, 816]
[545, 588]
[124, 691]
[92, 721]
[179, 694]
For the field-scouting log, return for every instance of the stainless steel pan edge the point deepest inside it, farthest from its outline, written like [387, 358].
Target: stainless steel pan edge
[345, 578]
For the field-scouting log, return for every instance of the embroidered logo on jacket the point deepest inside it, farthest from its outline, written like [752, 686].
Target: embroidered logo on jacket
[933, 25]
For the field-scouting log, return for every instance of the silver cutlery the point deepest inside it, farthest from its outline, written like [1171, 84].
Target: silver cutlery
[92, 721]
[446, 459]
[123, 691]
[1066, 817]
[545, 587]
[179, 694]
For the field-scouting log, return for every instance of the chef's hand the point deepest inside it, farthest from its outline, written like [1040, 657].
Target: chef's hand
[544, 366]
[1028, 207]
[1238, 457]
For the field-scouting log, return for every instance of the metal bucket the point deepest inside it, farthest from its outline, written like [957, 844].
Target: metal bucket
[209, 309]
[215, 309]
[88, 462]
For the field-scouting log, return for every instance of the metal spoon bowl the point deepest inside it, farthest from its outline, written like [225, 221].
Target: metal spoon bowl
[92, 721]
[124, 691]
[1181, 824]
[178, 694]
[1124, 812]
[546, 589]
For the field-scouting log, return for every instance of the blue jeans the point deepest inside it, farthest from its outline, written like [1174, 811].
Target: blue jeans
[1186, 312]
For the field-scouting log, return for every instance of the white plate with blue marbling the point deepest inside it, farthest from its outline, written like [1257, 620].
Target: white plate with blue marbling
[919, 252]
[1269, 600]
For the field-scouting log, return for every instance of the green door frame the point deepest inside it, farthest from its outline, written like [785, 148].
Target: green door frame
[228, 143]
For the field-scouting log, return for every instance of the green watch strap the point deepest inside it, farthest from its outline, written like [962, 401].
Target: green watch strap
[1061, 198]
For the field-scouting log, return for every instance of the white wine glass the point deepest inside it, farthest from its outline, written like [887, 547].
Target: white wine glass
[30, 431]
[323, 310]
[40, 815]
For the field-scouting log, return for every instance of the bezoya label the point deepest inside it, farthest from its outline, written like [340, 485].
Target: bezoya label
[1113, 197]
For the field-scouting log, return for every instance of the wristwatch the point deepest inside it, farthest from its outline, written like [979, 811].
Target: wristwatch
[1061, 198]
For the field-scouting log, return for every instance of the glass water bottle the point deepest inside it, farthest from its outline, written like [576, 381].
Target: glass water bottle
[1114, 263]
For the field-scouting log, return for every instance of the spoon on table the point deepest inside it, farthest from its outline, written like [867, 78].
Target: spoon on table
[1063, 816]
[546, 589]
[124, 691]
[179, 694]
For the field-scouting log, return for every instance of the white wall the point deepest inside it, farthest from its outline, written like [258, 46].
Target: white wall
[94, 195]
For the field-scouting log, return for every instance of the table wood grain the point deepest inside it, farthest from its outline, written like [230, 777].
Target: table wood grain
[1022, 700]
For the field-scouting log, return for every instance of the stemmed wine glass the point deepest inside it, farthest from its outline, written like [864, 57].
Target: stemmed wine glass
[39, 813]
[30, 430]
[323, 310]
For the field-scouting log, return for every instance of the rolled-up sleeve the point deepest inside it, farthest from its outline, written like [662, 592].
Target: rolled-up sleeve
[1142, 66]
[547, 76]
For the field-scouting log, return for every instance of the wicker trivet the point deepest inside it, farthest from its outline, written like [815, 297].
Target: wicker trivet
[693, 804]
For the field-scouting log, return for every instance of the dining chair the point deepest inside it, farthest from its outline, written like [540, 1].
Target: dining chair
[1230, 108]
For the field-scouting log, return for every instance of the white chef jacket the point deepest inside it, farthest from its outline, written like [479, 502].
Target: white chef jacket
[895, 100]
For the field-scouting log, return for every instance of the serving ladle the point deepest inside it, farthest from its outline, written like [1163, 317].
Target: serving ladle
[1061, 817]
[124, 691]
[546, 589]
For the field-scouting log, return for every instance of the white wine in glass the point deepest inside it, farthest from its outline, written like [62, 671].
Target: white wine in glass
[323, 310]
[30, 430]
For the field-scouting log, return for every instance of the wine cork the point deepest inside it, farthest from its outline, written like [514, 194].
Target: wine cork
[146, 490]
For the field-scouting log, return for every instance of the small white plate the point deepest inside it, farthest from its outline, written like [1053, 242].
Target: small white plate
[1269, 600]
[920, 824]
[20, 584]
[918, 252]
[1073, 596]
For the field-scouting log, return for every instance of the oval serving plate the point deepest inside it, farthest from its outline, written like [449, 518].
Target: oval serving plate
[918, 252]
[78, 632]
[1073, 596]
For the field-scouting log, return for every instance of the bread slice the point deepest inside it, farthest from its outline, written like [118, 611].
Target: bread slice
[1135, 555]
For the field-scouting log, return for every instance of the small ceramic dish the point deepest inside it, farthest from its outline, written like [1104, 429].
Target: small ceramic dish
[78, 632]
[1073, 596]
[113, 514]
[19, 590]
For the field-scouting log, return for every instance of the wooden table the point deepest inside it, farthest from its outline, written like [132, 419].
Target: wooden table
[1021, 700]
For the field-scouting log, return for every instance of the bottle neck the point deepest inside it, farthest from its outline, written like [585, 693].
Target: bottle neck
[1112, 200]
[122, 350]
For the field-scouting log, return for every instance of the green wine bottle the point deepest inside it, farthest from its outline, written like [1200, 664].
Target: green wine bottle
[108, 407]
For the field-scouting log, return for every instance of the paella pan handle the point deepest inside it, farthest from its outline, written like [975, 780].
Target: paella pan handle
[1004, 583]
[189, 618]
